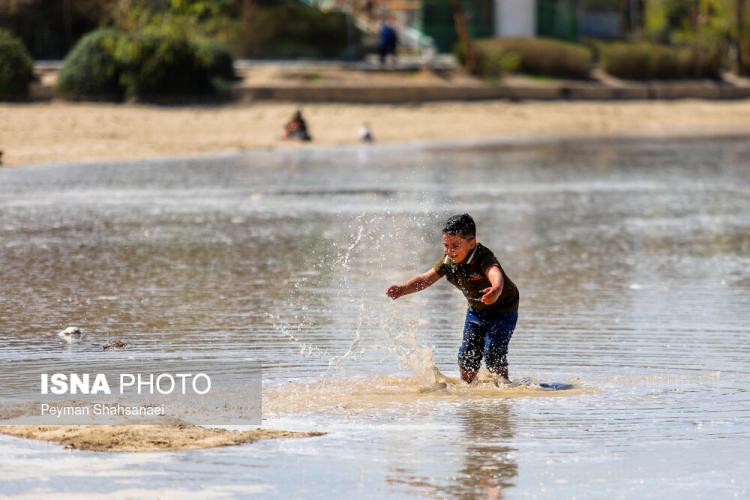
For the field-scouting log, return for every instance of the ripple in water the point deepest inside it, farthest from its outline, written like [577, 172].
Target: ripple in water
[631, 259]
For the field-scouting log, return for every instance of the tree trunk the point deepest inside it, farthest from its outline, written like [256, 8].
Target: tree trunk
[742, 48]
[470, 60]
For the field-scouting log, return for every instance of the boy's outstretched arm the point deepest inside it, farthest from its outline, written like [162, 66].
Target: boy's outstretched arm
[491, 294]
[415, 284]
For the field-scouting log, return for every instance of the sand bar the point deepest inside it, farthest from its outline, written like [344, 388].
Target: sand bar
[173, 437]
[61, 132]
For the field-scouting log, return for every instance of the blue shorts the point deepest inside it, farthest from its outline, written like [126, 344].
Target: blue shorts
[486, 335]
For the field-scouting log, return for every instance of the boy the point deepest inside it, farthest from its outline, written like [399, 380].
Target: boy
[493, 298]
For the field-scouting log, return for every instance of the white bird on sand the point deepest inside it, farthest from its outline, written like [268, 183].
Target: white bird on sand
[365, 134]
[71, 334]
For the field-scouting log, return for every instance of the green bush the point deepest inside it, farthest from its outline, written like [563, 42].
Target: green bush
[216, 59]
[16, 67]
[647, 61]
[112, 65]
[706, 60]
[158, 66]
[534, 56]
[91, 70]
[294, 30]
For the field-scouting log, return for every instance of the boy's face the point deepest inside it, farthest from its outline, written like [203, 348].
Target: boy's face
[457, 248]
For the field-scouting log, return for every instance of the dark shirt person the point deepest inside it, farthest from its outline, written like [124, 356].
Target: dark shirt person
[296, 128]
[387, 42]
[492, 298]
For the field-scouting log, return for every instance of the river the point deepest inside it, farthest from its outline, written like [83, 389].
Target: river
[631, 257]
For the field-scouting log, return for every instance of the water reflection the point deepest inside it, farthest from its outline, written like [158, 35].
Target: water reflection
[488, 466]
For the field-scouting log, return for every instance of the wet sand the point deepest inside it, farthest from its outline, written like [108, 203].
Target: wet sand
[60, 132]
[173, 437]
[368, 395]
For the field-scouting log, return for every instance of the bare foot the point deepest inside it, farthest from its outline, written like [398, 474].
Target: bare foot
[468, 376]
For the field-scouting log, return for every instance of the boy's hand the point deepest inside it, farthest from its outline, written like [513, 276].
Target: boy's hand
[490, 295]
[394, 291]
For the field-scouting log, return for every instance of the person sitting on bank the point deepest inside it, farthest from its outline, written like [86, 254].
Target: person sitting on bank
[296, 128]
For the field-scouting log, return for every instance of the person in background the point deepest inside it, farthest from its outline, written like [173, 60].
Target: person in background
[387, 41]
[296, 128]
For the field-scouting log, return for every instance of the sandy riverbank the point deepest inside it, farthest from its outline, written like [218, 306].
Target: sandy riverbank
[60, 132]
[173, 437]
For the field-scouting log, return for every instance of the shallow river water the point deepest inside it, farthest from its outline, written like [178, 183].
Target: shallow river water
[631, 257]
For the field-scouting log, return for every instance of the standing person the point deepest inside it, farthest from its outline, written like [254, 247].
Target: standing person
[493, 298]
[387, 41]
[296, 128]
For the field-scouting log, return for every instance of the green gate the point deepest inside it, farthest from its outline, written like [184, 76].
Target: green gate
[437, 21]
[557, 19]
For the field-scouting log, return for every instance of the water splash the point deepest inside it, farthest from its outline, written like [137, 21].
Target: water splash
[306, 350]
[355, 348]
[374, 324]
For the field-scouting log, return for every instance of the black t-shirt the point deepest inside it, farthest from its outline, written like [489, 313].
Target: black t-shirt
[469, 277]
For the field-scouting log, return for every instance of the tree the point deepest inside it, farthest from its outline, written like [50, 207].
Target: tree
[470, 59]
[742, 47]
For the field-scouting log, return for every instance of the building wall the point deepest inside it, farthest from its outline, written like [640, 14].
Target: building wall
[515, 18]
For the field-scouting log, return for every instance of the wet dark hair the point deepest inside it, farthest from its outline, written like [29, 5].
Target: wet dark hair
[461, 225]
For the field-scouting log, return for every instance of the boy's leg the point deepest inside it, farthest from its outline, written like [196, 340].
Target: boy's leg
[472, 345]
[499, 331]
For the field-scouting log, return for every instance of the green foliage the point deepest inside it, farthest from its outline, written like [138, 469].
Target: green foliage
[145, 18]
[646, 61]
[197, 19]
[688, 21]
[296, 30]
[534, 56]
[259, 28]
[91, 70]
[157, 66]
[203, 9]
[594, 45]
[216, 59]
[51, 28]
[16, 67]
[491, 64]
[112, 65]
[497, 65]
